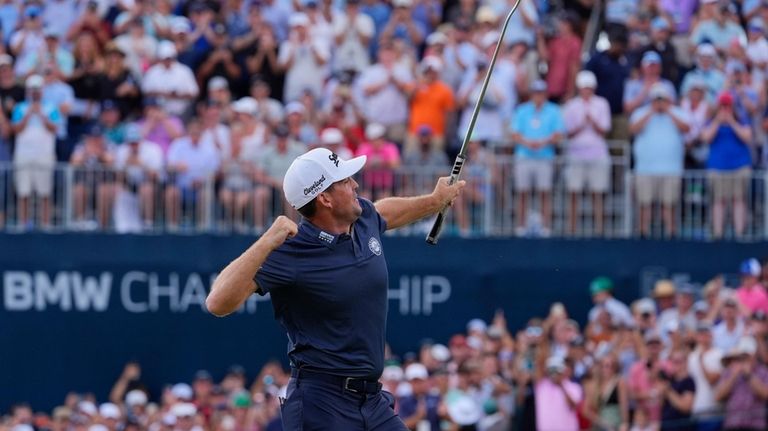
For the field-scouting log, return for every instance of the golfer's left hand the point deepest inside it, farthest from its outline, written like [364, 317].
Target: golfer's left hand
[446, 193]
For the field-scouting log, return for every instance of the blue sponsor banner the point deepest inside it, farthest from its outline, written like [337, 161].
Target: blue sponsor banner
[74, 308]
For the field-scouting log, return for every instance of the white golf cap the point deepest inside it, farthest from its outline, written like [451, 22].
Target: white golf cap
[416, 371]
[477, 325]
[556, 364]
[660, 91]
[331, 136]
[706, 50]
[166, 49]
[182, 390]
[313, 172]
[440, 353]
[136, 398]
[110, 411]
[432, 62]
[294, 108]
[298, 19]
[181, 410]
[35, 81]
[217, 83]
[437, 38]
[490, 39]
[98, 427]
[392, 373]
[464, 411]
[402, 3]
[246, 105]
[586, 79]
[87, 408]
[375, 131]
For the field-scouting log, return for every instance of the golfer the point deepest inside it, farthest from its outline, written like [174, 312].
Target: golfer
[328, 279]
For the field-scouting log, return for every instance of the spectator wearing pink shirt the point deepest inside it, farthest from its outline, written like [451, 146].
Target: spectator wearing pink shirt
[159, 127]
[751, 294]
[383, 159]
[587, 120]
[644, 379]
[557, 398]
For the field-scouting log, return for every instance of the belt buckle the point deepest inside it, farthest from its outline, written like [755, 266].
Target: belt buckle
[347, 388]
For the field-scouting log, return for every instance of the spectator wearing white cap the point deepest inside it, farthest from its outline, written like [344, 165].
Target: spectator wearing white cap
[726, 334]
[138, 47]
[419, 409]
[271, 111]
[385, 86]
[694, 103]
[659, 149]
[431, 103]
[721, 29]
[140, 161]
[216, 132]
[378, 175]
[637, 91]
[352, 32]
[274, 163]
[34, 123]
[587, 120]
[304, 60]
[172, 82]
[333, 139]
[557, 397]
[706, 69]
[254, 133]
[278, 14]
[489, 127]
[757, 45]
[111, 416]
[28, 38]
[705, 366]
[186, 417]
[743, 388]
[537, 128]
[300, 124]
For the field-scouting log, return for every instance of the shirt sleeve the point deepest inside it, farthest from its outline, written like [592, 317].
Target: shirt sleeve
[277, 272]
[369, 211]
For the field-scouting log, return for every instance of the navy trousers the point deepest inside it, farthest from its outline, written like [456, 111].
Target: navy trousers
[312, 405]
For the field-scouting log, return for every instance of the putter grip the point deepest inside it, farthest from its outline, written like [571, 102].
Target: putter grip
[438, 225]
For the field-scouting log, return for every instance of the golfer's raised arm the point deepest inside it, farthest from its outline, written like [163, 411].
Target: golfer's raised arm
[235, 282]
[403, 211]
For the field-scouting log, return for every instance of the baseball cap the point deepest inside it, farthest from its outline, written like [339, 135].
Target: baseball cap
[331, 136]
[87, 408]
[464, 411]
[32, 11]
[703, 326]
[600, 284]
[109, 411]
[586, 79]
[246, 105]
[180, 24]
[490, 39]
[136, 398]
[538, 85]
[282, 131]
[697, 82]
[181, 410]
[700, 306]
[431, 62]
[651, 57]
[476, 325]
[299, 19]
[108, 105]
[402, 3]
[424, 130]
[440, 353]
[97, 427]
[95, 130]
[217, 83]
[555, 364]
[375, 131]
[241, 399]
[645, 305]
[166, 50]
[35, 81]
[756, 24]
[294, 108]
[416, 371]
[133, 133]
[6, 60]
[659, 23]
[660, 91]
[313, 172]
[652, 337]
[182, 390]
[392, 373]
[750, 267]
[734, 66]
[485, 14]
[437, 38]
[706, 50]
[686, 289]
[203, 375]
[725, 98]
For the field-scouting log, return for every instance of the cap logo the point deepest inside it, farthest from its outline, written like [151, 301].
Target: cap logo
[334, 158]
[313, 188]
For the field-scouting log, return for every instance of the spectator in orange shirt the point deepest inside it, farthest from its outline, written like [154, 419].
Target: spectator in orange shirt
[431, 102]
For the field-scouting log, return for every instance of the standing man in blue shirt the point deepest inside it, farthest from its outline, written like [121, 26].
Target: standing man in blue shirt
[328, 280]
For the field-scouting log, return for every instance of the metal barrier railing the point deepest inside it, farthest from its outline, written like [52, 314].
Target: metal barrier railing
[236, 201]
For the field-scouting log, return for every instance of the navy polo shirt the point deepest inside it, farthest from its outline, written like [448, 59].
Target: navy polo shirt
[612, 73]
[329, 292]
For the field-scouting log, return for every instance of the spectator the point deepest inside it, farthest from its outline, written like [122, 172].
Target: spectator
[118, 83]
[258, 53]
[479, 175]
[658, 151]
[383, 158]
[489, 126]
[679, 319]
[664, 294]
[140, 162]
[420, 406]
[743, 388]
[401, 25]
[86, 81]
[729, 137]
[110, 122]
[171, 81]
[60, 95]
[612, 70]
[274, 163]
[601, 289]
[757, 46]
[94, 180]
[426, 156]
[220, 62]
[51, 55]
[28, 39]
[695, 105]
[751, 294]
[557, 398]
[35, 123]
[537, 128]
[138, 47]
[705, 366]
[706, 70]
[606, 403]
[385, 86]
[352, 32]
[215, 134]
[745, 98]
[89, 22]
[726, 334]
[643, 379]
[720, 28]
[191, 164]
[587, 119]
[303, 59]
[678, 389]
[660, 43]
[270, 109]
[562, 54]
[236, 175]
[523, 24]
[637, 91]
[158, 126]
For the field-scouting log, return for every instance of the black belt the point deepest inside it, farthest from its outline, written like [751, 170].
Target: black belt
[350, 384]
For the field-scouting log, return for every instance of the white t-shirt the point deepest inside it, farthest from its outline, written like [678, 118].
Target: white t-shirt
[150, 157]
[177, 78]
[724, 339]
[757, 51]
[220, 139]
[704, 397]
[254, 144]
[389, 105]
[138, 52]
[305, 72]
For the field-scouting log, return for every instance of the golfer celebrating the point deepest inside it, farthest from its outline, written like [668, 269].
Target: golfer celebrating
[327, 278]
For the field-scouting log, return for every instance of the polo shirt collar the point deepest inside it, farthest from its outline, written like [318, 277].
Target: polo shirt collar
[326, 238]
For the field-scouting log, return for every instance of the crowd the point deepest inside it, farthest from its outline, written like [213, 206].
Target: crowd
[684, 358]
[152, 100]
